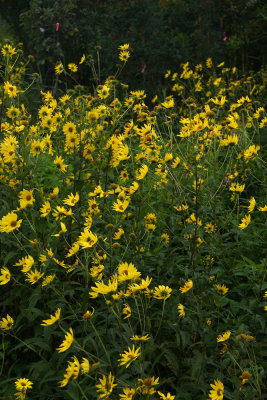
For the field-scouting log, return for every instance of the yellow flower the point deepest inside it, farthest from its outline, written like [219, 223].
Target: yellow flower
[210, 228]
[72, 372]
[26, 262]
[8, 50]
[165, 238]
[85, 366]
[65, 345]
[87, 239]
[48, 280]
[10, 90]
[225, 336]
[59, 69]
[53, 318]
[245, 222]
[129, 356]
[5, 276]
[124, 175]
[221, 289]
[61, 212]
[127, 393]
[13, 112]
[217, 390]
[22, 384]
[176, 162]
[88, 314]
[166, 397]
[10, 222]
[252, 204]
[101, 288]
[6, 323]
[82, 59]
[127, 311]
[59, 163]
[245, 377]
[147, 384]
[103, 92]
[34, 276]
[120, 205]
[72, 67]
[168, 103]
[26, 198]
[142, 286]
[127, 272]
[187, 286]
[72, 200]
[182, 207]
[162, 292]
[137, 338]
[230, 139]
[45, 209]
[235, 187]
[124, 55]
[251, 152]
[70, 128]
[263, 209]
[219, 101]
[54, 194]
[180, 309]
[105, 386]
[141, 173]
[125, 46]
[118, 234]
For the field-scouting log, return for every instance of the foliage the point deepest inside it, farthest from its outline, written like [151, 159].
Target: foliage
[133, 258]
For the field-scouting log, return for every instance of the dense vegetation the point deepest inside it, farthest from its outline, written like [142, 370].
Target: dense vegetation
[132, 233]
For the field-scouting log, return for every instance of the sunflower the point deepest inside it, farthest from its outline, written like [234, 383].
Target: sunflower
[5, 276]
[127, 272]
[221, 289]
[124, 55]
[87, 239]
[10, 222]
[245, 222]
[105, 386]
[6, 323]
[72, 67]
[187, 286]
[34, 276]
[162, 292]
[26, 198]
[217, 390]
[180, 309]
[140, 338]
[72, 372]
[120, 205]
[13, 112]
[45, 209]
[59, 163]
[67, 342]
[52, 319]
[22, 384]
[10, 90]
[225, 336]
[129, 356]
[69, 127]
[59, 69]
[36, 147]
[127, 393]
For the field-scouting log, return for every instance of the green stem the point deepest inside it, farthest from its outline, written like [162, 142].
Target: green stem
[101, 342]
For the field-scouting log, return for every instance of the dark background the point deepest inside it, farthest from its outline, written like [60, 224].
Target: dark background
[162, 34]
